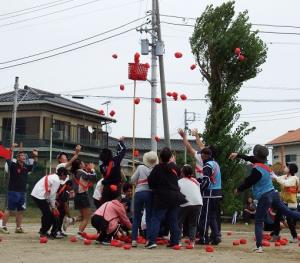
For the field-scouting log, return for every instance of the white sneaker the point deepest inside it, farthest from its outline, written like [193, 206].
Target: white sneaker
[4, 230]
[67, 222]
[294, 240]
[258, 250]
[133, 243]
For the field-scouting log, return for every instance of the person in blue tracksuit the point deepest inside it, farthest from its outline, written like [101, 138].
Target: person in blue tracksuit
[260, 179]
[211, 187]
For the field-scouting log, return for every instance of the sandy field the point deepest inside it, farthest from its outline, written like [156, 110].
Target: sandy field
[26, 248]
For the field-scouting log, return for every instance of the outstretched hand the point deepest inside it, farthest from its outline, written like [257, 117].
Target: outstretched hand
[232, 156]
[78, 149]
[182, 133]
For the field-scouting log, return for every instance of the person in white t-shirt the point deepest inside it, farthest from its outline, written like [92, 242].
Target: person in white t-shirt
[98, 193]
[44, 195]
[193, 153]
[190, 211]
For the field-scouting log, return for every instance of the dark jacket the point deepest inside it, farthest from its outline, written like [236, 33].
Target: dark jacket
[115, 175]
[163, 180]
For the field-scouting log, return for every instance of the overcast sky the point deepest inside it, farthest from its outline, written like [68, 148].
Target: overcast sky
[89, 70]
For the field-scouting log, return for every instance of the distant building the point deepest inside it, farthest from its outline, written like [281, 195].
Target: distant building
[39, 112]
[286, 148]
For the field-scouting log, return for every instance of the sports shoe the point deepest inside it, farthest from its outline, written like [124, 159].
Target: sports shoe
[20, 230]
[294, 240]
[59, 235]
[275, 238]
[4, 230]
[258, 250]
[150, 245]
[105, 243]
[67, 222]
[133, 243]
[216, 241]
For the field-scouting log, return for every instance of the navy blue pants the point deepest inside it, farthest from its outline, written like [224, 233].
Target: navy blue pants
[209, 219]
[267, 200]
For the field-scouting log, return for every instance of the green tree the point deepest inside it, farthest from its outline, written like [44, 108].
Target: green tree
[218, 36]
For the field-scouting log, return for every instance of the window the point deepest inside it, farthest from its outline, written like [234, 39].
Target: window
[61, 130]
[290, 158]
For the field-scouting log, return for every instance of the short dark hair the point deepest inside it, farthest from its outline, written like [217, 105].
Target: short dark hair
[60, 154]
[62, 171]
[187, 170]
[20, 152]
[75, 165]
[165, 155]
[206, 151]
[293, 168]
[105, 155]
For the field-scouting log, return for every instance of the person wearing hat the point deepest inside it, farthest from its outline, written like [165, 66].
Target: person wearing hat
[211, 187]
[289, 184]
[260, 179]
[143, 194]
[44, 195]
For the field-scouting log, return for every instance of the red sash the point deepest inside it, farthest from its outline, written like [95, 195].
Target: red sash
[85, 187]
[174, 172]
[61, 190]
[109, 168]
[263, 166]
[46, 184]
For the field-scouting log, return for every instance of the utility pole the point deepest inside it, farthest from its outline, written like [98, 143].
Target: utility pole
[153, 80]
[162, 82]
[188, 117]
[14, 115]
[106, 103]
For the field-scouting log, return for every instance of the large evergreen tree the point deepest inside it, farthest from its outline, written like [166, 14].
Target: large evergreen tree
[218, 37]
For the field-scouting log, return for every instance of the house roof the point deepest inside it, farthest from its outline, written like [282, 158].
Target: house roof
[31, 95]
[144, 144]
[289, 137]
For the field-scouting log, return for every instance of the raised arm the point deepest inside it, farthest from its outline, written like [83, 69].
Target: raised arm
[75, 156]
[199, 142]
[188, 146]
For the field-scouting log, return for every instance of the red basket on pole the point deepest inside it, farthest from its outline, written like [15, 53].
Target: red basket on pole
[137, 71]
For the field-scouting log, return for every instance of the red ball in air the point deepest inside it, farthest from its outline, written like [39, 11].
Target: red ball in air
[157, 138]
[122, 87]
[101, 112]
[175, 98]
[137, 101]
[192, 67]
[169, 94]
[136, 153]
[241, 58]
[183, 97]
[115, 56]
[147, 65]
[237, 51]
[174, 94]
[157, 100]
[112, 113]
[178, 55]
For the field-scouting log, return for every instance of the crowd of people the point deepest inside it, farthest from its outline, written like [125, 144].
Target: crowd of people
[168, 200]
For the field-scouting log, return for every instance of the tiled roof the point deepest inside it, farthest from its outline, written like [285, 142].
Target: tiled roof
[289, 137]
[47, 97]
[144, 144]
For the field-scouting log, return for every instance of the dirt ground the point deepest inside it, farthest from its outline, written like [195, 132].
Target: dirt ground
[26, 248]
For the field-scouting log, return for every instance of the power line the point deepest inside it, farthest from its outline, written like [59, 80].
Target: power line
[254, 24]
[73, 43]
[48, 14]
[258, 31]
[69, 50]
[29, 8]
[36, 10]
[266, 112]
[288, 113]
